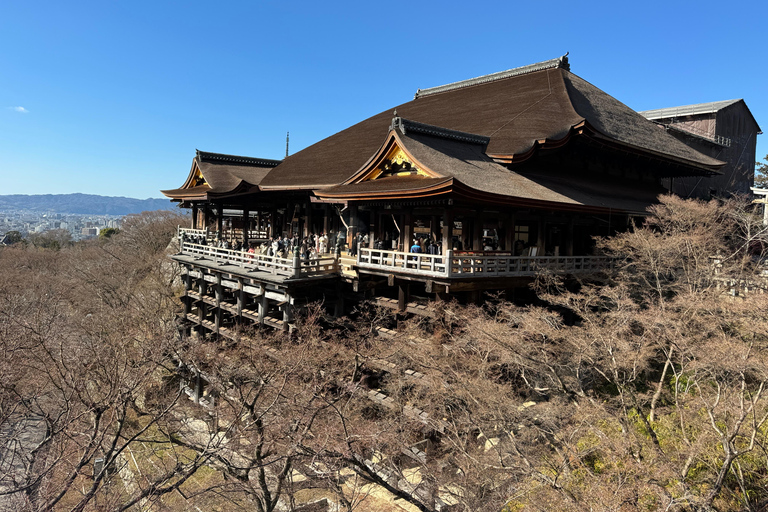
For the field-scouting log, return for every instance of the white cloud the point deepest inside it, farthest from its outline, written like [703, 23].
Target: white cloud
[21, 110]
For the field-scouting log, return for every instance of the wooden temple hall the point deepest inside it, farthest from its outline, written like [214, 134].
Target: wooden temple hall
[471, 186]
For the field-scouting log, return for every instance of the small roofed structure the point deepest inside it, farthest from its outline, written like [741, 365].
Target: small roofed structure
[488, 180]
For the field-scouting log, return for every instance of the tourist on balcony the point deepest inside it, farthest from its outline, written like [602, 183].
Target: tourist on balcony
[416, 248]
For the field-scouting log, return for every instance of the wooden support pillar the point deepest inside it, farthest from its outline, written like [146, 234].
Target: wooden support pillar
[407, 231]
[246, 224]
[403, 295]
[285, 224]
[289, 211]
[540, 236]
[509, 233]
[338, 310]
[194, 215]
[202, 306]
[240, 298]
[353, 220]
[187, 288]
[477, 232]
[326, 219]
[263, 306]
[569, 238]
[206, 215]
[219, 292]
[220, 220]
[198, 387]
[373, 225]
[447, 230]
[287, 312]
[272, 217]
[308, 228]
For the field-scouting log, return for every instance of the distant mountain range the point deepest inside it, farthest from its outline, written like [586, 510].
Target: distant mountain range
[83, 204]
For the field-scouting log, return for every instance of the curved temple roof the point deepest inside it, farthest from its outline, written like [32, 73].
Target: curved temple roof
[455, 163]
[518, 111]
[218, 174]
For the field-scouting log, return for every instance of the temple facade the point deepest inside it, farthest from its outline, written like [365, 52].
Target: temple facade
[472, 186]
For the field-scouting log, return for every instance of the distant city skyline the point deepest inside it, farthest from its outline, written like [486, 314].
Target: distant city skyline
[113, 99]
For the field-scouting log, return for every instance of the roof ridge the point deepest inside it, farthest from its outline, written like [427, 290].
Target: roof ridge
[235, 159]
[683, 110]
[406, 125]
[560, 62]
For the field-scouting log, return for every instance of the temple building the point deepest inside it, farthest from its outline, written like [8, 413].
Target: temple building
[472, 186]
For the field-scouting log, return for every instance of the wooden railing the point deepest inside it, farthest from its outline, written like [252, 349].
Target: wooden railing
[467, 264]
[487, 265]
[404, 262]
[287, 267]
[193, 232]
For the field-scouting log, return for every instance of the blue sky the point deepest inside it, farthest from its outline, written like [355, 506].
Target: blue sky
[113, 98]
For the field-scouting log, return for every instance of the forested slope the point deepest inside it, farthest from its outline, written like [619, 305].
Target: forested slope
[641, 390]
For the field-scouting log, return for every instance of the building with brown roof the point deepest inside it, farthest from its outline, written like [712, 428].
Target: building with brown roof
[493, 178]
[725, 130]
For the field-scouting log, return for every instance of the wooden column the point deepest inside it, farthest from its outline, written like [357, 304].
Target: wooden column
[289, 211]
[373, 227]
[187, 288]
[308, 228]
[403, 295]
[540, 236]
[220, 220]
[219, 293]
[407, 231]
[262, 305]
[569, 238]
[240, 298]
[206, 215]
[194, 216]
[326, 220]
[477, 232]
[202, 306]
[287, 312]
[434, 227]
[509, 233]
[447, 230]
[246, 224]
[353, 220]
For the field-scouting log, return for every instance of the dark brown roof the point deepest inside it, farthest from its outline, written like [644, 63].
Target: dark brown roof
[461, 164]
[223, 174]
[517, 112]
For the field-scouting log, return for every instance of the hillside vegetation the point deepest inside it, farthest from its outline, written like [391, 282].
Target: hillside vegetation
[641, 390]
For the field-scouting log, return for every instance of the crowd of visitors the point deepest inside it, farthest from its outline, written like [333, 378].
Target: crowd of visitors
[309, 247]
